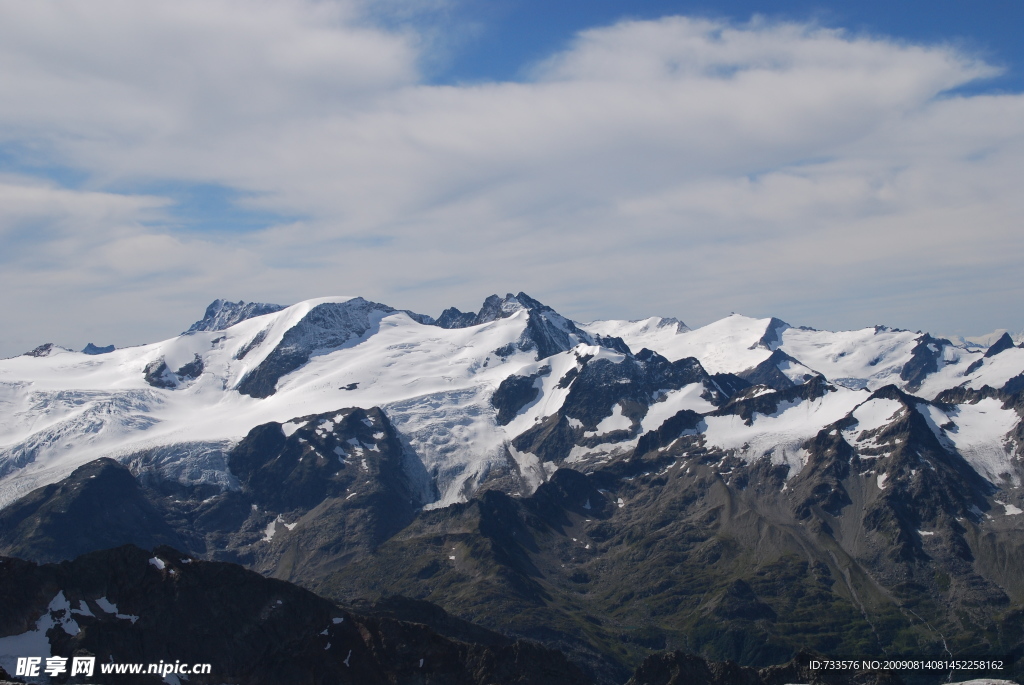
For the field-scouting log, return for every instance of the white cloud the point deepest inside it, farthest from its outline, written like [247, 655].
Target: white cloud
[113, 75]
[681, 167]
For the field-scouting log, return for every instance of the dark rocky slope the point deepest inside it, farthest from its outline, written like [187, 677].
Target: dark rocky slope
[252, 630]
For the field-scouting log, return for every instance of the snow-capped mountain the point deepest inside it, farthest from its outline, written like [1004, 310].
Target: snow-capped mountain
[511, 392]
[186, 399]
[747, 488]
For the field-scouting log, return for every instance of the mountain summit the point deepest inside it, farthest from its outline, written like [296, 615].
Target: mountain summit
[223, 314]
[747, 488]
[547, 331]
[469, 392]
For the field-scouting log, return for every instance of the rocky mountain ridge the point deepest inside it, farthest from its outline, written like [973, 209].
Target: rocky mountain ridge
[742, 491]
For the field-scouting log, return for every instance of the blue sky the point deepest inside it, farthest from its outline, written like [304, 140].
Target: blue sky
[835, 164]
[508, 34]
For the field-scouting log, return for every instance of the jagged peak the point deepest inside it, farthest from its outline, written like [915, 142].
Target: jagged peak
[769, 372]
[320, 324]
[666, 321]
[222, 314]
[890, 329]
[46, 350]
[1005, 342]
[493, 308]
[772, 337]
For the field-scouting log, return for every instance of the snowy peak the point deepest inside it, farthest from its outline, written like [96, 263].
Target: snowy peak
[325, 327]
[892, 423]
[868, 358]
[651, 326]
[46, 350]
[222, 314]
[924, 360]
[730, 345]
[779, 371]
[547, 332]
[509, 392]
[493, 308]
[652, 333]
[454, 318]
[325, 442]
[772, 337]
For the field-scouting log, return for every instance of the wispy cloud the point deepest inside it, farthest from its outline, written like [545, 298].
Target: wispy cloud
[679, 166]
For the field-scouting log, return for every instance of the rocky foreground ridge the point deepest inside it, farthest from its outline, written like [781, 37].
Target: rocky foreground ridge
[128, 605]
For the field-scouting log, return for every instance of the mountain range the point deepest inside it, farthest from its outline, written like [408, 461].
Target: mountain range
[612, 490]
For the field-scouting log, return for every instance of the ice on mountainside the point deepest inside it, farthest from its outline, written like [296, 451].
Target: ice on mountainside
[779, 435]
[649, 331]
[328, 326]
[175, 408]
[979, 433]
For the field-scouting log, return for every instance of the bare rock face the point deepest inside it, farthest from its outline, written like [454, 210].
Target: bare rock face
[99, 505]
[158, 375]
[222, 314]
[96, 349]
[1004, 343]
[45, 350]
